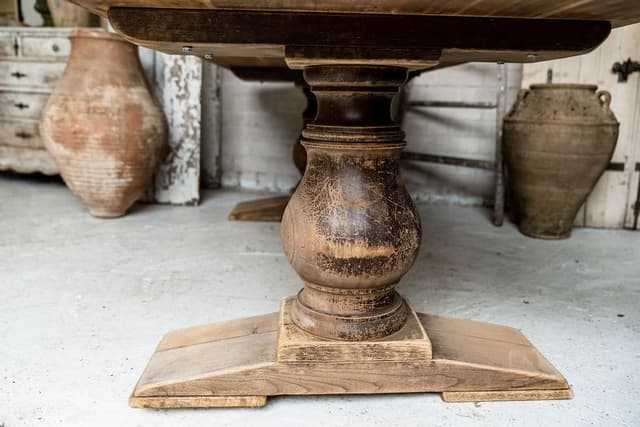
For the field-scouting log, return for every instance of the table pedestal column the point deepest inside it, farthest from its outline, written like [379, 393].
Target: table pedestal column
[351, 232]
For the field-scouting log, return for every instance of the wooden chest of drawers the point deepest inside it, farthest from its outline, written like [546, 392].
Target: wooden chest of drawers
[31, 61]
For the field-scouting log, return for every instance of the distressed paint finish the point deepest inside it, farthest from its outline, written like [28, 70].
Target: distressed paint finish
[351, 230]
[32, 60]
[177, 180]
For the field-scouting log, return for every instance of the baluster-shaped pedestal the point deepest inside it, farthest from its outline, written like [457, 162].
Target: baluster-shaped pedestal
[351, 232]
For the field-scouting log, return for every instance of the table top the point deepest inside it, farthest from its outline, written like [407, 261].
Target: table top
[424, 33]
[618, 12]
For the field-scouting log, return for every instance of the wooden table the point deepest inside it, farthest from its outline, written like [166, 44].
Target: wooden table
[351, 231]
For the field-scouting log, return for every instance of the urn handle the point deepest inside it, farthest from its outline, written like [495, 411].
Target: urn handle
[523, 94]
[605, 98]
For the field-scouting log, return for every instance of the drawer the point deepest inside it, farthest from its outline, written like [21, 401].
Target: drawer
[6, 45]
[30, 74]
[45, 46]
[20, 133]
[22, 105]
[27, 160]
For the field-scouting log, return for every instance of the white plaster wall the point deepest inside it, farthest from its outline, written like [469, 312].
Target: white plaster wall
[261, 121]
[459, 132]
[260, 124]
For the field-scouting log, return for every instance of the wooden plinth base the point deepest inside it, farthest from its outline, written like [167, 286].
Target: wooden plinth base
[269, 209]
[241, 362]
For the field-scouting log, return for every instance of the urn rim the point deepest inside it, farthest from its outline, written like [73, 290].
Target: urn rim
[589, 87]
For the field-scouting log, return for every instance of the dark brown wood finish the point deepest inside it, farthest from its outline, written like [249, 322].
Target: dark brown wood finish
[419, 40]
[618, 12]
[361, 30]
[309, 113]
[351, 230]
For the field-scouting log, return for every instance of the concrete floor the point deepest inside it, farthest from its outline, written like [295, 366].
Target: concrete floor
[84, 302]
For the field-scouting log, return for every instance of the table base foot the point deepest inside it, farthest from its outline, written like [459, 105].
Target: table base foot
[268, 209]
[174, 402]
[241, 362]
[489, 396]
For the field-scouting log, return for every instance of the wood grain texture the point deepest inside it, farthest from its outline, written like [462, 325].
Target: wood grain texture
[295, 345]
[198, 402]
[350, 229]
[218, 331]
[233, 37]
[619, 12]
[488, 396]
[177, 180]
[269, 209]
[215, 361]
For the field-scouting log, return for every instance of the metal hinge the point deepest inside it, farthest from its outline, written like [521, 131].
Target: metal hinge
[624, 69]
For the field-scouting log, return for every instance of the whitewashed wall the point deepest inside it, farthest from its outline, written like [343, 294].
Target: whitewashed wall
[459, 132]
[261, 121]
[260, 124]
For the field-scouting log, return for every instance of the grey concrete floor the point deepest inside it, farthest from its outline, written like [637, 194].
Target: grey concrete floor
[84, 302]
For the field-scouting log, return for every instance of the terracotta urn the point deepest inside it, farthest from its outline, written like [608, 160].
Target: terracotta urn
[558, 140]
[101, 124]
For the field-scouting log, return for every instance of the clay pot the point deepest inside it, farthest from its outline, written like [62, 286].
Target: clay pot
[67, 14]
[558, 140]
[101, 124]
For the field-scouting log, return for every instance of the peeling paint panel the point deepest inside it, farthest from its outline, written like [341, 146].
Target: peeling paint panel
[177, 180]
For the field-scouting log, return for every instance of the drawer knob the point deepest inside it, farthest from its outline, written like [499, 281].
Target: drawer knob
[18, 75]
[55, 48]
[23, 135]
[21, 105]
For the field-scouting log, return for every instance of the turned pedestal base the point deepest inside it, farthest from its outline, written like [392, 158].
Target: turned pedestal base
[351, 232]
[241, 362]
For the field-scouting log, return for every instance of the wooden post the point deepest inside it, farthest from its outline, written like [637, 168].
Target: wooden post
[351, 230]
